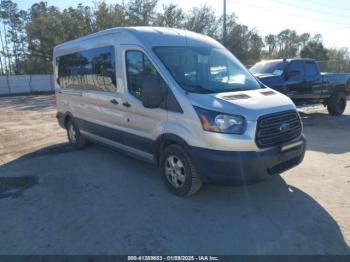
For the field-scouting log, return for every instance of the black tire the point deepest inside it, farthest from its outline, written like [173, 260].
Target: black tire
[79, 142]
[336, 104]
[192, 182]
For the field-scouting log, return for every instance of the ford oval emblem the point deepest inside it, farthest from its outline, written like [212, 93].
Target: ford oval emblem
[284, 127]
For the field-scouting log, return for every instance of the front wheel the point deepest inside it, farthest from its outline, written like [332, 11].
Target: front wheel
[179, 172]
[74, 136]
[336, 104]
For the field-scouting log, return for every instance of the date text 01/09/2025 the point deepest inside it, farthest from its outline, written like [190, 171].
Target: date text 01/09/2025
[173, 258]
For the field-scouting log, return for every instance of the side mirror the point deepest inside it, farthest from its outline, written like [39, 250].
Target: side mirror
[292, 73]
[151, 92]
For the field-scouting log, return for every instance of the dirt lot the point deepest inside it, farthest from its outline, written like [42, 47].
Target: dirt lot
[96, 201]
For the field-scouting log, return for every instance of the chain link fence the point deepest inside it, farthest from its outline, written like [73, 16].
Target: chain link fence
[334, 66]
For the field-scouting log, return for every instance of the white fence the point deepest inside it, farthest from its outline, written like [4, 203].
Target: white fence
[16, 84]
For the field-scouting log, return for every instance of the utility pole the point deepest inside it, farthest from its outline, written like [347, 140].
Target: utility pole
[224, 25]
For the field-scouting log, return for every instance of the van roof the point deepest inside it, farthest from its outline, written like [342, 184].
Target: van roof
[148, 36]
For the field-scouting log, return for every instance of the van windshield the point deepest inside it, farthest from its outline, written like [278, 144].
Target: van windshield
[206, 70]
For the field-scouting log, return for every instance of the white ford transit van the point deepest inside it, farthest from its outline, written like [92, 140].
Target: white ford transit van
[179, 100]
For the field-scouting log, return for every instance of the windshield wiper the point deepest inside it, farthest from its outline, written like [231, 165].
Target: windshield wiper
[196, 88]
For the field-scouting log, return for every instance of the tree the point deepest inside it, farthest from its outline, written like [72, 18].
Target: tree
[172, 16]
[245, 44]
[27, 38]
[76, 22]
[255, 45]
[108, 16]
[314, 50]
[202, 20]
[141, 12]
[317, 38]
[304, 39]
[288, 43]
[45, 30]
[47, 27]
[14, 35]
[271, 42]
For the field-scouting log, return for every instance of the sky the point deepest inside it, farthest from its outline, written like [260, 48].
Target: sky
[329, 18]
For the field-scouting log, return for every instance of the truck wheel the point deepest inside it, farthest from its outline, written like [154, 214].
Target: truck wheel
[179, 172]
[75, 138]
[336, 104]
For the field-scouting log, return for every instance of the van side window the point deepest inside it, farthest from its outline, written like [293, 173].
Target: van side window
[138, 66]
[92, 69]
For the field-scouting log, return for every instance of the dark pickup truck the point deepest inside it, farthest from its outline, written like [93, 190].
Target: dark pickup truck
[301, 80]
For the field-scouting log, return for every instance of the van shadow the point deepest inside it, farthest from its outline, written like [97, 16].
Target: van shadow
[325, 133]
[98, 201]
[28, 102]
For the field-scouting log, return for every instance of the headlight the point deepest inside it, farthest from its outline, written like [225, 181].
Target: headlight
[221, 122]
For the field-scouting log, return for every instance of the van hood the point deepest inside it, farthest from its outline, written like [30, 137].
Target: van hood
[251, 104]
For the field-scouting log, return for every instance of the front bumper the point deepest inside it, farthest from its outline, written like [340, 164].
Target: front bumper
[223, 167]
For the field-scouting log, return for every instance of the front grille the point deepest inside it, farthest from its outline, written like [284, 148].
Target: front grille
[278, 128]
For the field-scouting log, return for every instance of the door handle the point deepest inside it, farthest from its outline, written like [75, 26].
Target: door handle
[126, 104]
[114, 101]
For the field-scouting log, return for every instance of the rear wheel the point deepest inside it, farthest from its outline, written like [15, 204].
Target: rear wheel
[74, 136]
[336, 104]
[179, 172]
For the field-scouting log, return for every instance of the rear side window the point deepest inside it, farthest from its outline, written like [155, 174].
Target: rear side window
[311, 69]
[92, 69]
[138, 67]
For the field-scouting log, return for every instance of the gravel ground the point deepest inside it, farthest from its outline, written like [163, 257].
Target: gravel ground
[96, 201]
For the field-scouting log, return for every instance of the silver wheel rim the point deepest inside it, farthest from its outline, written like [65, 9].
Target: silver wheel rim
[72, 134]
[175, 171]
